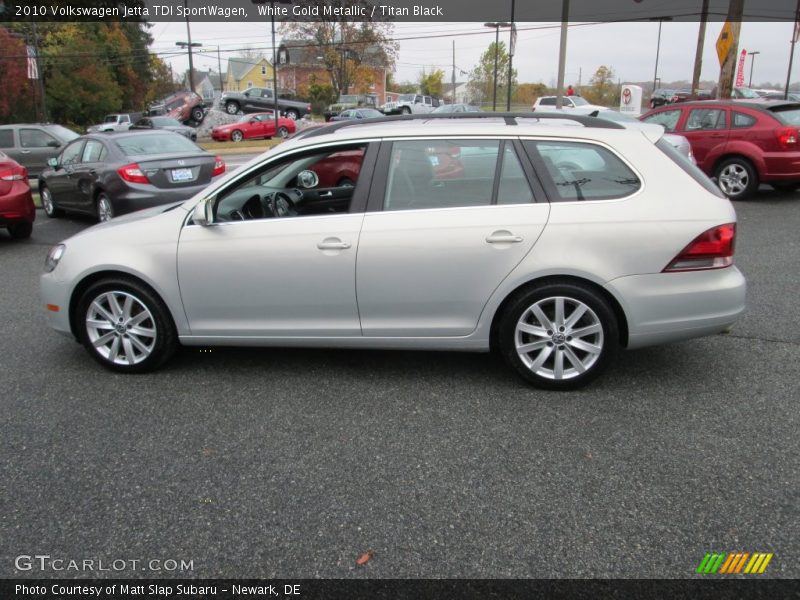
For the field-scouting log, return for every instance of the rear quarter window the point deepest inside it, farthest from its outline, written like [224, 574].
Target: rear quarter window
[582, 171]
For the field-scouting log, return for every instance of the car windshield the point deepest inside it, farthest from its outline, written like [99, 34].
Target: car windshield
[348, 99]
[406, 98]
[65, 134]
[165, 122]
[110, 119]
[369, 113]
[578, 101]
[163, 143]
[747, 93]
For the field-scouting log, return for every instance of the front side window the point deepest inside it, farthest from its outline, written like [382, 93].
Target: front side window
[71, 154]
[667, 118]
[582, 171]
[36, 138]
[547, 102]
[255, 93]
[309, 184]
[701, 119]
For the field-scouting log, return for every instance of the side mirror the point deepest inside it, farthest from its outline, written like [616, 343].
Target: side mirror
[52, 162]
[246, 93]
[202, 214]
[54, 144]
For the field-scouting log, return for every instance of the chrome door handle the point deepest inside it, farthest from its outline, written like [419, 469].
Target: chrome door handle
[326, 194]
[503, 238]
[333, 245]
[24, 151]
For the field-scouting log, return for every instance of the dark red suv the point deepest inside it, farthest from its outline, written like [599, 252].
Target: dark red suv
[17, 211]
[742, 143]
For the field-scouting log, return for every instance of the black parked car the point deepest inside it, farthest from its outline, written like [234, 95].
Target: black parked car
[108, 175]
[167, 124]
[260, 99]
[660, 97]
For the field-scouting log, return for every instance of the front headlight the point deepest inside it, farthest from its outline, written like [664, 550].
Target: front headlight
[53, 257]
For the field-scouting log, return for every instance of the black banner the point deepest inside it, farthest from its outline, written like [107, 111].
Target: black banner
[393, 10]
[392, 589]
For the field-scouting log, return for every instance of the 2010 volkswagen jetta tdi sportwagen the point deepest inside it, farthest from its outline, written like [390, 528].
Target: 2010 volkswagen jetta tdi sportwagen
[557, 245]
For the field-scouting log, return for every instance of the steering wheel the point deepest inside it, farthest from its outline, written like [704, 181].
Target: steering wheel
[282, 205]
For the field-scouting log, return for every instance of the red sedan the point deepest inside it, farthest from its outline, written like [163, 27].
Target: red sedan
[17, 211]
[253, 126]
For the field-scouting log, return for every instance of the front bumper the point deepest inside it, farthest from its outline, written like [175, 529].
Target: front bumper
[55, 293]
[666, 307]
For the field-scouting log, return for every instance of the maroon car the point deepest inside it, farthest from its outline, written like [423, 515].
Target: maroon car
[17, 211]
[742, 143]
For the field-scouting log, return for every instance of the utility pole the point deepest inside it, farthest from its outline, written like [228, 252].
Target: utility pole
[39, 70]
[512, 42]
[752, 63]
[497, 27]
[219, 67]
[562, 54]
[701, 40]
[188, 45]
[791, 55]
[453, 77]
[728, 70]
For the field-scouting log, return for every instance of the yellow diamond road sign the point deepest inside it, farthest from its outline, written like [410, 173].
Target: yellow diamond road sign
[724, 42]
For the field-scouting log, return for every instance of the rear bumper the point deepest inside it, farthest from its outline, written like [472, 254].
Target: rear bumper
[667, 307]
[781, 166]
[17, 206]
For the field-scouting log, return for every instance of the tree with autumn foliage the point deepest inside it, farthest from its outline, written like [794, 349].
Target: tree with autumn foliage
[15, 99]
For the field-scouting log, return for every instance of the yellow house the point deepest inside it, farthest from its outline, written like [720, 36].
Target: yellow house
[244, 72]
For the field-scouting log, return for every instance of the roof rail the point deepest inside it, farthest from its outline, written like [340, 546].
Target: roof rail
[509, 117]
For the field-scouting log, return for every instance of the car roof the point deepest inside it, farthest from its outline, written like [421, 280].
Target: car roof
[762, 104]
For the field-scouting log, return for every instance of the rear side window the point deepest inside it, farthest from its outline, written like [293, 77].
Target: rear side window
[668, 118]
[741, 120]
[6, 138]
[94, 151]
[583, 171]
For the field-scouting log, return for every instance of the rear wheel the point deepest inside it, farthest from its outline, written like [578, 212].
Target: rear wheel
[559, 336]
[49, 206]
[198, 114]
[737, 178]
[105, 210]
[231, 108]
[292, 114]
[237, 136]
[20, 231]
[125, 326]
[283, 132]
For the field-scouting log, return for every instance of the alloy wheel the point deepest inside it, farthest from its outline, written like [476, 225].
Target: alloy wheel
[121, 328]
[733, 179]
[105, 212]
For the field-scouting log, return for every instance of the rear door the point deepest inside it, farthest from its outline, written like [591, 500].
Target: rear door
[86, 172]
[438, 238]
[707, 131]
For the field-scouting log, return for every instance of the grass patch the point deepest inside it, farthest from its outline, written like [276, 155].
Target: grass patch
[243, 145]
[37, 201]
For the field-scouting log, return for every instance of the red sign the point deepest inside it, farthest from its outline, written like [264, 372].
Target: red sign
[626, 96]
[740, 70]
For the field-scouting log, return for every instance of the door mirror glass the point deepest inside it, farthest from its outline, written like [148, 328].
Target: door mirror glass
[53, 144]
[53, 162]
[202, 213]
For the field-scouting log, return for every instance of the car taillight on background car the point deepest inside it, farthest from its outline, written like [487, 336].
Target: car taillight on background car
[712, 249]
[14, 174]
[132, 174]
[787, 138]
[219, 166]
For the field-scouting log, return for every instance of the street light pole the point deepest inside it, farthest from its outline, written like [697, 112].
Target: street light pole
[189, 45]
[512, 39]
[752, 62]
[658, 50]
[497, 27]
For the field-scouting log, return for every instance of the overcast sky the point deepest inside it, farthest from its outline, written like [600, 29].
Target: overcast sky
[629, 48]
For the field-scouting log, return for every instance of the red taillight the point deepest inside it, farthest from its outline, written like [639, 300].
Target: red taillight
[787, 138]
[17, 173]
[712, 249]
[219, 166]
[132, 174]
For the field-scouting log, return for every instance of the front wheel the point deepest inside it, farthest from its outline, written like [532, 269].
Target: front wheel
[283, 132]
[736, 178]
[237, 136]
[406, 110]
[125, 326]
[231, 108]
[559, 336]
[198, 114]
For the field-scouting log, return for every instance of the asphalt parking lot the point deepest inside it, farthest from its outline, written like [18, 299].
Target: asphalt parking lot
[293, 463]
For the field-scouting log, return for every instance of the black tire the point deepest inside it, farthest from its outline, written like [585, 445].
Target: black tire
[292, 114]
[104, 208]
[21, 230]
[283, 132]
[236, 136]
[785, 187]
[346, 182]
[736, 177]
[164, 342]
[231, 107]
[406, 110]
[48, 204]
[198, 114]
[604, 344]
[652, 103]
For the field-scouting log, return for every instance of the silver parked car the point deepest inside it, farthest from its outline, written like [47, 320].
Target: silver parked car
[568, 244]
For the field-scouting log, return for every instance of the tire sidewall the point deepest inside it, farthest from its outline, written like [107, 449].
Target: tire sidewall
[228, 108]
[292, 114]
[237, 136]
[166, 337]
[103, 196]
[590, 297]
[44, 191]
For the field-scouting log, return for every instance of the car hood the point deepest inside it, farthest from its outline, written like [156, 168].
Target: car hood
[130, 218]
[226, 127]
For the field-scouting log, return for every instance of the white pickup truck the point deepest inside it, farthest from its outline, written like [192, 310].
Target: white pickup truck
[408, 104]
[116, 122]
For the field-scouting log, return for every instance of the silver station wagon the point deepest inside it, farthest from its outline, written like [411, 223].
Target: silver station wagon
[556, 241]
